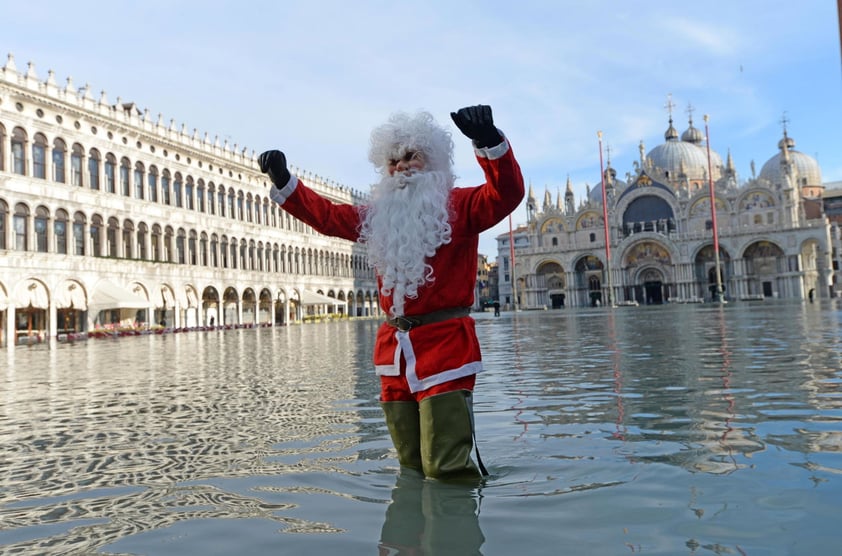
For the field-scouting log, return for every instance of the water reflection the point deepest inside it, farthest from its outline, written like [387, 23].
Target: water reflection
[670, 429]
[430, 517]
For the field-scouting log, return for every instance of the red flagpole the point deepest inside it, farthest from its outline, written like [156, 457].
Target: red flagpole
[605, 225]
[712, 191]
[512, 258]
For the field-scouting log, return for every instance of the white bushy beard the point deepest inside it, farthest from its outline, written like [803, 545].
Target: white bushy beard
[405, 223]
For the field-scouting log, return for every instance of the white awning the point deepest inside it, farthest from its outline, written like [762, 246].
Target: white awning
[108, 295]
[192, 299]
[31, 293]
[313, 298]
[163, 298]
[70, 295]
[181, 298]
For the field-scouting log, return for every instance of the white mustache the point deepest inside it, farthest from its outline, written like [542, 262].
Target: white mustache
[402, 180]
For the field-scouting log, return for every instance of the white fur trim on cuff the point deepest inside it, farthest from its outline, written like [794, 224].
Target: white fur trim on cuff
[495, 152]
[280, 195]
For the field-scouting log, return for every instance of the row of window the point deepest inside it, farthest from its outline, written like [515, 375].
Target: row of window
[121, 177]
[156, 243]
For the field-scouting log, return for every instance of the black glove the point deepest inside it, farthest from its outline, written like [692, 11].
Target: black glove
[274, 163]
[477, 124]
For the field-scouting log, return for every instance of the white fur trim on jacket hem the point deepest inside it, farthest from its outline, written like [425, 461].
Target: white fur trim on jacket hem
[405, 348]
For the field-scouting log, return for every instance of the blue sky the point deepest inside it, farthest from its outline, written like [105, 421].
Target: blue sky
[313, 77]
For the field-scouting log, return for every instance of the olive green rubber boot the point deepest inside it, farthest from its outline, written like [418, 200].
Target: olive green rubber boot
[402, 418]
[447, 437]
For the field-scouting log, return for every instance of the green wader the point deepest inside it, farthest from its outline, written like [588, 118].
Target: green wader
[403, 421]
[434, 436]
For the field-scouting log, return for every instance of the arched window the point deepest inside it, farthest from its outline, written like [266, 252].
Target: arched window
[21, 227]
[211, 198]
[59, 157]
[223, 252]
[93, 168]
[214, 250]
[60, 231]
[39, 156]
[77, 154]
[203, 249]
[155, 241]
[128, 235]
[19, 151]
[234, 250]
[4, 217]
[231, 211]
[79, 233]
[200, 195]
[221, 200]
[152, 182]
[188, 193]
[2, 142]
[192, 255]
[165, 187]
[169, 251]
[112, 235]
[125, 170]
[180, 240]
[142, 232]
[177, 190]
[42, 223]
[95, 230]
[139, 172]
[110, 168]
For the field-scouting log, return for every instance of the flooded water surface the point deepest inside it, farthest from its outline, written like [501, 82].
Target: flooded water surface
[676, 429]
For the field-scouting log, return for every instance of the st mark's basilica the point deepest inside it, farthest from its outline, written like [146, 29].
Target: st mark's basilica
[775, 240]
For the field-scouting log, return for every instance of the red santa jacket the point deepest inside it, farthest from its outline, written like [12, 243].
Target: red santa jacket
[438, 352]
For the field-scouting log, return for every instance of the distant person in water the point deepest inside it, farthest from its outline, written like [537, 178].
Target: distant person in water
[421, 234]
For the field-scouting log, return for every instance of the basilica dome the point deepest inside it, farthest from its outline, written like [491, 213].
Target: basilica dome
[684, 157]
[611, 181]
[807, 167]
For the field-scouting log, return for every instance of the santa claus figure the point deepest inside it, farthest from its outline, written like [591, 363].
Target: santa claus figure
[421, 235]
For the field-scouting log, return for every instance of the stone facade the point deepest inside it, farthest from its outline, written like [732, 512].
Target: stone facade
[775, 240]
[113, 220]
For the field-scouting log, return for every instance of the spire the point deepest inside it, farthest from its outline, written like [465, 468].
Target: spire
[10, 64]
[671, 133]
[531, 209]
[569, 201]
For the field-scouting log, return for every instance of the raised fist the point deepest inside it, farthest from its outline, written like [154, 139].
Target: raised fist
[477, 123]
[274, 163]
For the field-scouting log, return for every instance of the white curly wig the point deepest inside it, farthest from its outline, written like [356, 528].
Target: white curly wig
[404, 132]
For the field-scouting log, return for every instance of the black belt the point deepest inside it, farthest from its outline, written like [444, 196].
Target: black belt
[407, 322]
